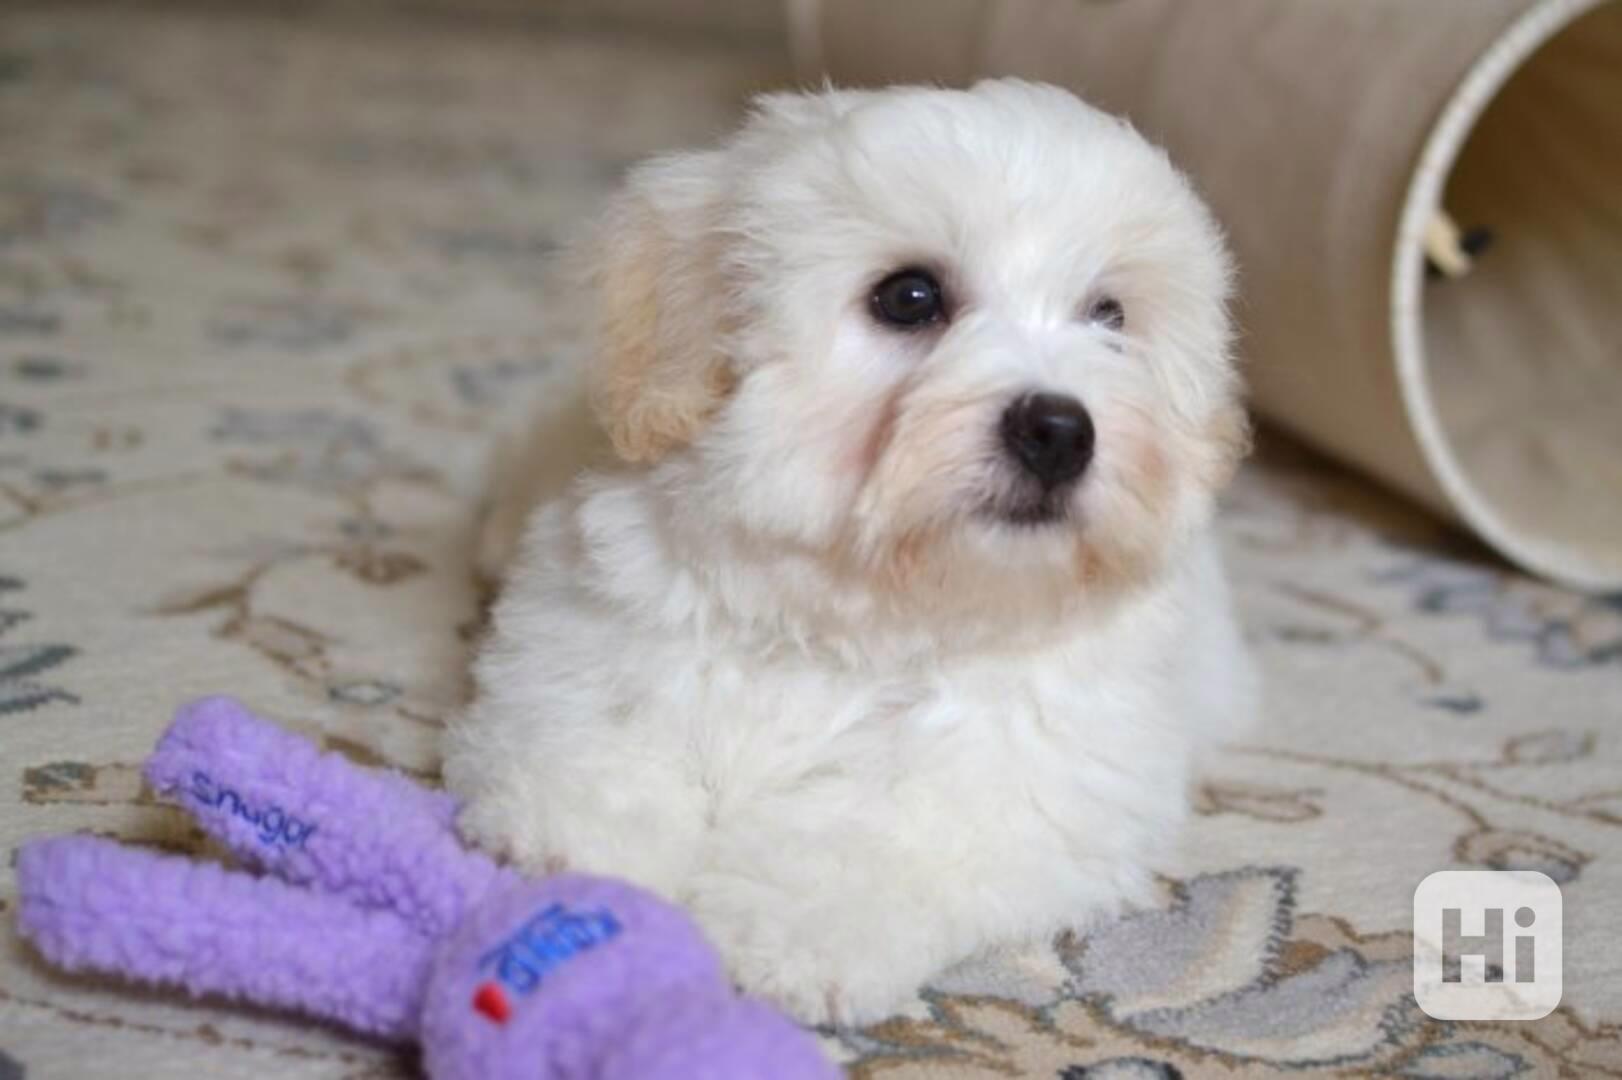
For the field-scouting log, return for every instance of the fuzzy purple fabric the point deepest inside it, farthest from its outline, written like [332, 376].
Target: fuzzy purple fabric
[93, 905]
[616, 955]
[372, 914]
[373, 838]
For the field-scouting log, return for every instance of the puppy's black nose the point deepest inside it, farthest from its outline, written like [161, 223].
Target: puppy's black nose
[1050, 435]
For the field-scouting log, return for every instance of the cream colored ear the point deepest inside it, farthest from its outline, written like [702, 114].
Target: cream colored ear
[1228, 441]
[660, 373]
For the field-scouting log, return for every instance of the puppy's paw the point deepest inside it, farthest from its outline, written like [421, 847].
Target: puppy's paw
[824, 964]
[551, 837]
[825, 994]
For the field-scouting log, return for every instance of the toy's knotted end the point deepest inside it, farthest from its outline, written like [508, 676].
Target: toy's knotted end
[214, 727]
[281, 804]
[71, 891]
[90, 904]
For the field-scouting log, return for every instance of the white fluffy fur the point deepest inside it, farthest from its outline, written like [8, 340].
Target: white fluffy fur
[776, 657]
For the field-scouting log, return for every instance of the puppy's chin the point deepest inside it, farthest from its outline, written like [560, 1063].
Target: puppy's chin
[1006, 560]
[1020, 562]
[975, 524]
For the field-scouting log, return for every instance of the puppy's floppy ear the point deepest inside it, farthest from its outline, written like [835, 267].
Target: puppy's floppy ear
[656, 275]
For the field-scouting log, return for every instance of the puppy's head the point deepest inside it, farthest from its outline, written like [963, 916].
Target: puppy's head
[967, 343]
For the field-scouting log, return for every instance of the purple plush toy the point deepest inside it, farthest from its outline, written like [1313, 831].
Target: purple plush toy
[372, 914]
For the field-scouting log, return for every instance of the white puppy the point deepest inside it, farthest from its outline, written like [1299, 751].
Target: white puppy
[888, 623]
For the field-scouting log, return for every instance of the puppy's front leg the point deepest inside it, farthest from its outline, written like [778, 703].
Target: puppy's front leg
[590, 798]
[834, 928]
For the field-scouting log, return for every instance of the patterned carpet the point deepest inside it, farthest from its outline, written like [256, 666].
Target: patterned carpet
[265, 285]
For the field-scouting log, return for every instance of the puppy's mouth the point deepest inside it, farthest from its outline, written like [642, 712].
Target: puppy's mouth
[1028, 509]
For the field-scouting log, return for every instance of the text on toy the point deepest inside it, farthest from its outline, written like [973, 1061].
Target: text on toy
[547, 941]
[276, 827]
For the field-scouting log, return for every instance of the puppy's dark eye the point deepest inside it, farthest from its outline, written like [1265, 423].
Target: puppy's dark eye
[909, 299]
[1107, 312]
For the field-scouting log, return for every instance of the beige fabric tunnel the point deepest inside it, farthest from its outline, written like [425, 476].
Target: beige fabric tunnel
[1332, 137]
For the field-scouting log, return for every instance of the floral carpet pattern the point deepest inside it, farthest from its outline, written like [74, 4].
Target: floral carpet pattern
[268, 282]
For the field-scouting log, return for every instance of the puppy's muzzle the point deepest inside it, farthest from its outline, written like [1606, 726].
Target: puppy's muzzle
[1050, 436]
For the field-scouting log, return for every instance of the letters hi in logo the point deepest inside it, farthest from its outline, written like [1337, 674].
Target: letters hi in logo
[1466, 966]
